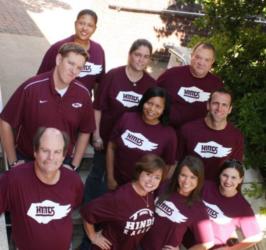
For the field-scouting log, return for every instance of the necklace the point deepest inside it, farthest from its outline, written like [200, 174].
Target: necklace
[146, 201]
[133, 77]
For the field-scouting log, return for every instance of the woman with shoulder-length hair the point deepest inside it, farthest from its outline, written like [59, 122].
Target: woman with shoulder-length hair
[94, 68]
[228, 209]
[178, 208]
[139, 133]
[126, 214]
[119, 92]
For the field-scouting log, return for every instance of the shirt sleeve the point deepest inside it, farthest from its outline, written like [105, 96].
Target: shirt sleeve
[201, 226]
[181, 145]
[87, 124]
[4, 199]
[100, 76]
[48, 61]
[238, 152]
[101, 209]
[248, 223]
[118, 128]
[79, 192]
[101, 100]
[169, 154]
[161, 80]
[16, 103]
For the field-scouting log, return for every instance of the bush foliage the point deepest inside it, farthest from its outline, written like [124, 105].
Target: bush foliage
[240, 41]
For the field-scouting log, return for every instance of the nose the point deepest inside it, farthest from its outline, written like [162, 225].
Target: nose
[50, 155]
[219, 107]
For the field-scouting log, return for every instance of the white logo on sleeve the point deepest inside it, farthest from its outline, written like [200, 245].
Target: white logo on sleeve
[193, 94]
[216, 214]
[90, 69]
[170, 211]
[137, 140]
[129, 99]
[211, 149]
[47, 211]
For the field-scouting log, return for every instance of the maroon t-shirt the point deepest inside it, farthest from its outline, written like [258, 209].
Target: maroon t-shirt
[172, 218]
[123, 215]
[212, 146]
[134, 138]
[40, 213]
[36, 104]
[93, 70]
[118, 94]
[189, 94]
[227, 214]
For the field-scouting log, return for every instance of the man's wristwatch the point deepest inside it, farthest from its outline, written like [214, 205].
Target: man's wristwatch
[72, 166]
[13, 163]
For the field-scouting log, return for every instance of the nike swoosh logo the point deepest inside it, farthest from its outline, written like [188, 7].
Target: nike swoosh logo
[43, 101]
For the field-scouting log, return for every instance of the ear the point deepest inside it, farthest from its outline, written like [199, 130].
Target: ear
[208, 105]
[58, 59]
[230, 109]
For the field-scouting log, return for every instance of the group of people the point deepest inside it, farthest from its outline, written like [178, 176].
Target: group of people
[167, 168]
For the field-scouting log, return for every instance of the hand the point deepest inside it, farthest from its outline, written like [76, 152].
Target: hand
[168, 247]
[68, 167]
[16, 163]
[99, 240]
[111, 184]
[97, 143]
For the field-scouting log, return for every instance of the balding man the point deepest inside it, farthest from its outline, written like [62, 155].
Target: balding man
[41, 195]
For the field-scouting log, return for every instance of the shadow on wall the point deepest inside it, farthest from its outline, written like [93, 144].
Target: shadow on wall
[178, 22]
[41, 5]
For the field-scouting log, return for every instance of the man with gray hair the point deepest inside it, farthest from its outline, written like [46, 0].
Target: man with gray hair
[41, 195]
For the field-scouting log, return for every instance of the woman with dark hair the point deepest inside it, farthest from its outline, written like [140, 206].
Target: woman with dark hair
[94, 69]
[178, 207]
[128, 213]
[228, 209]
[120, 91]
[138, 133]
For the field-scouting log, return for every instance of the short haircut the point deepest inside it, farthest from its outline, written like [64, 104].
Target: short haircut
[39, 134]
[138, 43]
[157, 92]
[222, 91]
[235, 164]
[88, 12]
[148, 163]
[195, 165]
[66, 48]
[205, 45]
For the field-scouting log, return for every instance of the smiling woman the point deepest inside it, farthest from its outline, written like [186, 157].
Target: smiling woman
[139, 133]
[223, 200]
[127, 214]
[94, 68]
[179, 208]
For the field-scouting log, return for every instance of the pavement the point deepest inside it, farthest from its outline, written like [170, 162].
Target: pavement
[27, 28]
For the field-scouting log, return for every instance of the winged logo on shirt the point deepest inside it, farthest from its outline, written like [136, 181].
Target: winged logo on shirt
[137, 140]
[46, 211]
[216, 214]
[90, 69]
[211, 149]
